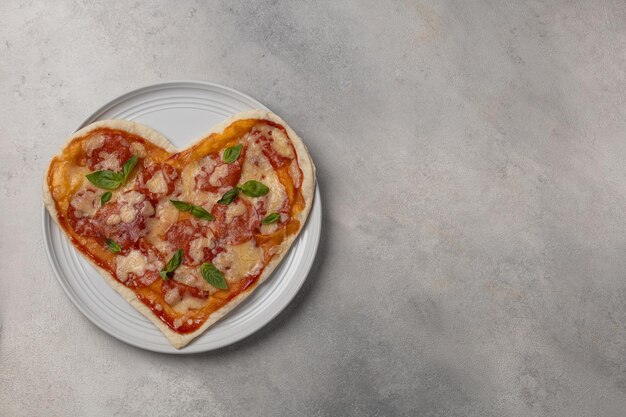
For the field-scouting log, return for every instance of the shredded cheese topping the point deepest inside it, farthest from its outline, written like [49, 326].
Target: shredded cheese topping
[86, 203]
[157, 184]
[135, 262]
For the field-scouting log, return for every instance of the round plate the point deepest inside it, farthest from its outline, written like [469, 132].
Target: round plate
[182, 111]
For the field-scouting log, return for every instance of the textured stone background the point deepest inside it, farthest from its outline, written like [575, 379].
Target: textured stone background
[471, 160]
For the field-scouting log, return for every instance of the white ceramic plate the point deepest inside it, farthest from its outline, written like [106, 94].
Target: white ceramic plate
[182, 111]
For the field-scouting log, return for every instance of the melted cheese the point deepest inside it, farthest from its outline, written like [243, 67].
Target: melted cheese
[207, 163]
[188, 175]
[188, 302]
[268, 229]
[163, 246]
[235, 210]
[131, 197]
[247, 258]
[196, 248]
[223, 261]
[258, 167]
[93, 143]
[274, 202]
[128, 213]
[113, 219]
[166, 215]
[281, 144]
[172, 296]
[277, 195]
[157, 184]
[108, 161]
[135, 262]
[186, 275]
[189, 275]
[206, 200]
[239, 261]
[255, 164]
[147, 209]
[193, 195]
[86, 203]
[216, 177]
[127, 201]
[295, 173]
[138, 149]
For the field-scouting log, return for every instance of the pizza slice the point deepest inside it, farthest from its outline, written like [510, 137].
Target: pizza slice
[183, 236]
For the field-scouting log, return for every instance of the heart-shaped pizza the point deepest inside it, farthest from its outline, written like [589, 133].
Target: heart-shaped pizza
[183, 236]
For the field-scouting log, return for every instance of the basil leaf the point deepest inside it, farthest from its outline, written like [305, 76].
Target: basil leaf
[110, 180]
[113, 246]
[181, 205]
[254, 188]
[213, 276]
[228, 196]
[104, 198]
[106, 179]
[271, 218]
[196, 211]
[201, 213]
[128, 168]
[173, 263]
[231, 154]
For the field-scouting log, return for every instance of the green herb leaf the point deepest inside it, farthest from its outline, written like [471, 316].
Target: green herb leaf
[113, 246]
[228, 196]
[106, 179]
[254, 188]
[110, 180]
[181, 205]
[271, 218]
[104, 198]
[196, 211]
[213, 276]
[172, 264]
[201, 213]
[128, 168]
[231, 154]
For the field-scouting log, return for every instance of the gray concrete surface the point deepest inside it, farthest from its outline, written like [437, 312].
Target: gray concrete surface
[471, 160]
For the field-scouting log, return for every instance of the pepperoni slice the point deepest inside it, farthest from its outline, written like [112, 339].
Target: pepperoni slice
[215, 175]
[149, 276]
[112, 227]
[111, 154]
[261, 210]
[170, 284]
[237, 229]
[82, 225]
[77, 218]
[264, 140]
[182, 233]
[157, 180]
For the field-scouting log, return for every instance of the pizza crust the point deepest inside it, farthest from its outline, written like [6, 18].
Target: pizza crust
[307, 189]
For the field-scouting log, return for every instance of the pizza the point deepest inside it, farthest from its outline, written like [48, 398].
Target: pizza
[183, 236]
